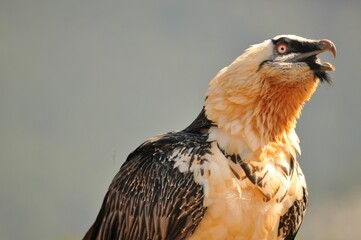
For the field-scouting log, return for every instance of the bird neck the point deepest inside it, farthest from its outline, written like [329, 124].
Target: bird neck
[263, 112]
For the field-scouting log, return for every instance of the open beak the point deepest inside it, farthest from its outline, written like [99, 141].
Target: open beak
[323, 45]
[327, 46]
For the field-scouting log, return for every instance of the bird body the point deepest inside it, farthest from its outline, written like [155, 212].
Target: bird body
[233, 173]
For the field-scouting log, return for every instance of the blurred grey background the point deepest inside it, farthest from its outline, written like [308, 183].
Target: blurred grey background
[83, 83]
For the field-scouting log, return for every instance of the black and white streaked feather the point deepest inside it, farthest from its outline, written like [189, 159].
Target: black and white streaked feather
[290, 222]
[149, 198]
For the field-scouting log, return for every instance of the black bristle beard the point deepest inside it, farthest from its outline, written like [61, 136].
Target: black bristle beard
[314, 63]
[323, 76]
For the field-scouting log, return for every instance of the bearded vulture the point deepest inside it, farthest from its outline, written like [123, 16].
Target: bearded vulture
[232, 173]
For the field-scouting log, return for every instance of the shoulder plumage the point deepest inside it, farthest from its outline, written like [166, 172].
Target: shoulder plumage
[200, 124]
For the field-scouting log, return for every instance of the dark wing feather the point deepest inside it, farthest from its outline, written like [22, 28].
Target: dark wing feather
[290, 222]
[149, 198]
[200, 124]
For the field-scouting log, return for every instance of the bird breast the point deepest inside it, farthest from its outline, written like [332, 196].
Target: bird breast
[244, 200]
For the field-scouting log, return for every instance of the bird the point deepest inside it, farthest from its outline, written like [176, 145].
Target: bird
[233, 172]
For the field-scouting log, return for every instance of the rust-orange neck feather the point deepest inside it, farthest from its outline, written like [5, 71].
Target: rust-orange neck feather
[259, 106]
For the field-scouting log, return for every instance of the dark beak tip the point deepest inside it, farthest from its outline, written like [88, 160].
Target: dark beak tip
[329, 46]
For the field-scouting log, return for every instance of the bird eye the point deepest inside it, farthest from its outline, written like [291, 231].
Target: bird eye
[281, 48]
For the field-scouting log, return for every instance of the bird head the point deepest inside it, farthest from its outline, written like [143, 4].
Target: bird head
[295, 53]
[260, 95]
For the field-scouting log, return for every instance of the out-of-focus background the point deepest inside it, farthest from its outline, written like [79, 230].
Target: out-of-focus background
[83, 83]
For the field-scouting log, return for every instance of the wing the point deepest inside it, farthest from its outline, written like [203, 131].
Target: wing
[149, 198]
[291, 221]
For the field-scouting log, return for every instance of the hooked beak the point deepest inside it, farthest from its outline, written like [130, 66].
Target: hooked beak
[328, 46]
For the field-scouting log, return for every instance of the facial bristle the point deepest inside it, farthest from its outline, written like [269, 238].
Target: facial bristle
[323, 76]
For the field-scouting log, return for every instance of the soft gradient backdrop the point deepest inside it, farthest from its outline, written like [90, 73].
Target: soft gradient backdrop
[83, 83]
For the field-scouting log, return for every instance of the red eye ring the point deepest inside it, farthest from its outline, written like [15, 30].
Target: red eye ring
[282, 48]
